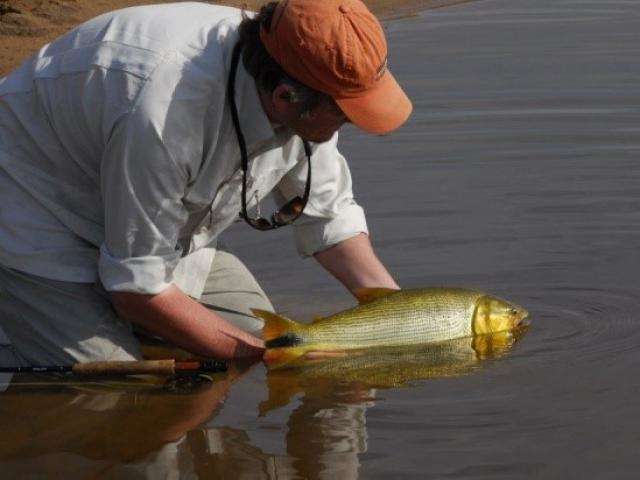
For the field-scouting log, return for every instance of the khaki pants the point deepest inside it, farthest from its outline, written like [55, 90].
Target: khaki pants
[49, 322]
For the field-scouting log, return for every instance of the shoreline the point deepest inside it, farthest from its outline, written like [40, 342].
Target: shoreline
[27, 25]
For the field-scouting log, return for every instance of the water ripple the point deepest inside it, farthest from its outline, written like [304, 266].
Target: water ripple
[588, 325]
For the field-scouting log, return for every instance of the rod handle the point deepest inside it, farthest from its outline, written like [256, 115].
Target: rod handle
[142, 367]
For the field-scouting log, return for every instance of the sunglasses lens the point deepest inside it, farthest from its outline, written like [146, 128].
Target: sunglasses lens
[289, 211]
[260, 223]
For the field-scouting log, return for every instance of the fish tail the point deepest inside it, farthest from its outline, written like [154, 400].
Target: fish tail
[276, 327]
[283, 338]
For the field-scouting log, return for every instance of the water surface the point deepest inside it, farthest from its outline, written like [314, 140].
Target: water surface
[517, 175]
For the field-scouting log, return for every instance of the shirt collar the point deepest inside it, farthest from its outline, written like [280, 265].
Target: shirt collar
[257, 129]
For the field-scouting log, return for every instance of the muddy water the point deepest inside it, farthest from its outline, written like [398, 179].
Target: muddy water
[517, 175]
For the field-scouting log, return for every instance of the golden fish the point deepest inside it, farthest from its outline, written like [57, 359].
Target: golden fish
[388, 318]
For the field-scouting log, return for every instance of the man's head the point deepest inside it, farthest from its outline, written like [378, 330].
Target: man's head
[319, 64]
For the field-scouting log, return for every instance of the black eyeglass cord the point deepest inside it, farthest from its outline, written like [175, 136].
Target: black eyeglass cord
[231, 98]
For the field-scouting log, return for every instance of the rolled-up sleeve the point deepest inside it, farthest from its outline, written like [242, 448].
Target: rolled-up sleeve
[142, 188]
[332, 214]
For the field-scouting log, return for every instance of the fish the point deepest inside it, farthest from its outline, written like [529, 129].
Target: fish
[387, 318]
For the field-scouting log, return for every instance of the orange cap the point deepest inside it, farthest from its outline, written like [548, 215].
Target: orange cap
[338, 47]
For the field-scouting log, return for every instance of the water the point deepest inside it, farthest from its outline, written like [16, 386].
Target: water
[516, 175]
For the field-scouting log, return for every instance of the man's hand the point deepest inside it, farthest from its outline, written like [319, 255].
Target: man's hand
[354, 263]
[179, 319]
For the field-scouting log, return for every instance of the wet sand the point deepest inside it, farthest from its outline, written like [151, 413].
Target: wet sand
[26, 25]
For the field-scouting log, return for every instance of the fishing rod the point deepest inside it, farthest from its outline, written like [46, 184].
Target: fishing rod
[141, 367]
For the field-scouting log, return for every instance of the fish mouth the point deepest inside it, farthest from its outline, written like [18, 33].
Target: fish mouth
[523, 319]
[520, 331]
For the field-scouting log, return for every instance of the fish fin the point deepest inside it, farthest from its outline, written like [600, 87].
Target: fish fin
[279, 357]
[282, 386]
[275, 325]
[367, 295]
[282, 338]
[311, 356]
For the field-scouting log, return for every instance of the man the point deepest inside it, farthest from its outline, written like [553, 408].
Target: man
[128, 145]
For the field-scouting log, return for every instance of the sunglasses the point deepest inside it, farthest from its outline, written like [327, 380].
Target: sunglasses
[292, 210]
[288, 213]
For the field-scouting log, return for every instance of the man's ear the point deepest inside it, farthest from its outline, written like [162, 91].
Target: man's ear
[284, 99]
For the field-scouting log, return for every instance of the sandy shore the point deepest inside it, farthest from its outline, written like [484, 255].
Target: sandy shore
[26, 25]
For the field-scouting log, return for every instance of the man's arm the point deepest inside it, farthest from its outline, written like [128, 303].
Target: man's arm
[354, 263]
[179, 319]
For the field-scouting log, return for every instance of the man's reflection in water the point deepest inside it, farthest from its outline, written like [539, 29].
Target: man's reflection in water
[134, 430]
[327, 435]
[83, 430]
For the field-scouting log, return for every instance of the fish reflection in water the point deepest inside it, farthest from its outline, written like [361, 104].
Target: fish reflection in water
[327, 429]
[388, 367]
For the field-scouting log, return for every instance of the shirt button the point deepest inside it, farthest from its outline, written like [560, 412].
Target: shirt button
[344, 9]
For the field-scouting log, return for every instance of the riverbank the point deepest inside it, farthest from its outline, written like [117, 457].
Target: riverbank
[26, 25]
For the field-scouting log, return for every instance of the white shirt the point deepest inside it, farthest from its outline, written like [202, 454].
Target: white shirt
[119, 161]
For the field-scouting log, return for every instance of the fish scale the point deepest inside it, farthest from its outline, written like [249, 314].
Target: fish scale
[418, 316]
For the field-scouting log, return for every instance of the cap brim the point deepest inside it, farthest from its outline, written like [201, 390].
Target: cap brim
[380, 109]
